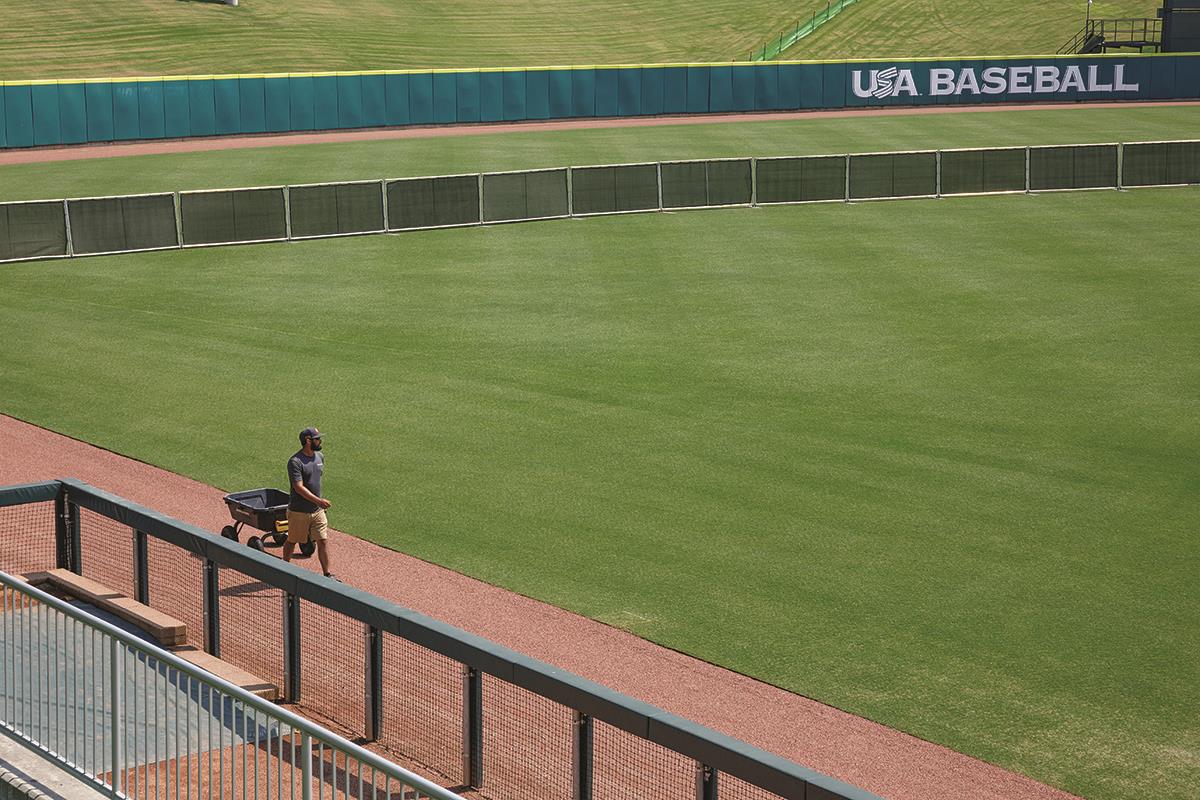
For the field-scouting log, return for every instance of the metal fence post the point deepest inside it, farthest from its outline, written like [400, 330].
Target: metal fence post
[67, 228]
[291, 647]
[581, 758]
[373, 682]
[383, 191]
[938, 170]
[62, 531]
[141, 568]
[570, 192]
[306, 766]
[1028, 158]
[1120, 166]
[212, 609]
[178, 220]
[753, 182]
[659, 170]
[287, 212]
[706, 782]
[481, 198]
[118, 723]
[847, 177]
[472, 727]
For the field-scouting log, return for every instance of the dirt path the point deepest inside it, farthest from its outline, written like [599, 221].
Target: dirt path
[77, 152]
[892, 764]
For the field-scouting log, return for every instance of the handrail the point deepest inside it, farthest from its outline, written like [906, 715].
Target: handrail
[230, 690]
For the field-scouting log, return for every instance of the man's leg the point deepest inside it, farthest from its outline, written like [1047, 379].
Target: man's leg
[288, 549]
[323, 556]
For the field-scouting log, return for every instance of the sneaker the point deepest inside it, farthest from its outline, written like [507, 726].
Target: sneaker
[332, 577]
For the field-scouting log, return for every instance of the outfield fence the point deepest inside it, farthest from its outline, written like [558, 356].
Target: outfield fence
[465, 711]
[803, 28]
[42, 229]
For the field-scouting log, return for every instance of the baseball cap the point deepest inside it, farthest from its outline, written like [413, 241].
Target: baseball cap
[310, 433]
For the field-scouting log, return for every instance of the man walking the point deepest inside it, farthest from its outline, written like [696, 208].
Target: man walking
[306, 506]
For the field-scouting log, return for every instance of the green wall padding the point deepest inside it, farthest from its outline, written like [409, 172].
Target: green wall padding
[18, 116]
[583, 92]
[745, 86]
[467, 96]
[374, 101]
[395, 89]
[252, 105]
[969, 171]
[491, 96]
[152, 114]
[302, 109]
[559, 82]
[652, 90]
[697, 90]
[349, 101]
[72, 113]
[629, 92]
[445, 100]
[537, 94]
[177, 111]
[228, 105]
[420, 98]
[203, 107]
[766, 88]
[325, 102]
[3, 130]
[675, 86]
[46, 128]
[720, 89]
[513, 91]
[684, 185]
[125, 111]
[606, 93]
[277, 102]
[97, 99]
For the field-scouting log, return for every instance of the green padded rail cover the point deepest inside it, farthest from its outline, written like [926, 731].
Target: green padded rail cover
[433, 202]
[120, 224]
[608, 190]
[977, 171]
[336, 209]
[242, 215]
[32, 230]
[893, 175]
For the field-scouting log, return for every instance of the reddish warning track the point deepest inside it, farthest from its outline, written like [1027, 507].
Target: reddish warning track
[885, 761]
[77, 152]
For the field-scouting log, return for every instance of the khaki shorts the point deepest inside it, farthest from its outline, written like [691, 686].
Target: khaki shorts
[303, 526]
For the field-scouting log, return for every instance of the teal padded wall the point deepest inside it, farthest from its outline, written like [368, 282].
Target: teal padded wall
[203, 107]
[177, 111]
[227, 101]
[491, 96]
[349, 101]
[325, 102]
[302, 93]
[53, 113]
[374, 101]
[46, 128]
[395, 91]
[152, 115]
[98, 102]
[125, 111]
[72, 113]
[252, 105]
[277, 101]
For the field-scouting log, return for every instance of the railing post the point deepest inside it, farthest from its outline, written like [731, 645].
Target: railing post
[938, 169]
[373, 683]
[472, 727]
[291, 647]
[581, 758]
[1028, 158]
[212, 609]
[67, 228]
[706, 782]
[847, 177]
[383, 191]
[141, 568]
[753, 182]
[287, 212]
[306, 765]
[115, 680]
[62, 531]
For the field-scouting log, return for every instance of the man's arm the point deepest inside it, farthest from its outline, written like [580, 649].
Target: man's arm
[299, 488]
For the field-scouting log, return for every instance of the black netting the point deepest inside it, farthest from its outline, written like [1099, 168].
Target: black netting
[431, 202]
[332, 665]
[114, 224]
[893, 175]
[733, 788]
[605, 190]
[524, 195]
[780, 180]
[1081, 167]
[1095, 167]
[27, 538]
[177, 586]
[977, 171]
[1183, 162]
[684, 185]
[251, 614]
[823, 178]
[422, 706]
[336, 209]
[244, 215]
[106, 547]
[729, 182]
[1145, 165]
[527, 744]
[32, 230]
[628, 767]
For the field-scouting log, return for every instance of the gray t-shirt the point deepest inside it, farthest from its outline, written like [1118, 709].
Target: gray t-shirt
[308, 470]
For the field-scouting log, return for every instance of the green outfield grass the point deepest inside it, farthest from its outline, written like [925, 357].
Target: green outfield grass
[549, 148]
[932, 462]
[915, 28]
[106, 38]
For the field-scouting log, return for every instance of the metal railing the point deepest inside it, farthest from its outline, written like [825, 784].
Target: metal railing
[802, 29]
[1140, 32]
[135, 721]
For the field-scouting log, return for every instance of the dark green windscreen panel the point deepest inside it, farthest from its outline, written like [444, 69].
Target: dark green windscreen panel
[433, 202]
[336, 209]
[684, 184]
[1081, 167]
[244, 215]
[1183, 162]
[729, 182]
[978, 171]
[1161, 164]
[117, 224]
[524, 195]
[32, 230]
[802, 180]
[893, 175]
[607, 190]
[1095, 167]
